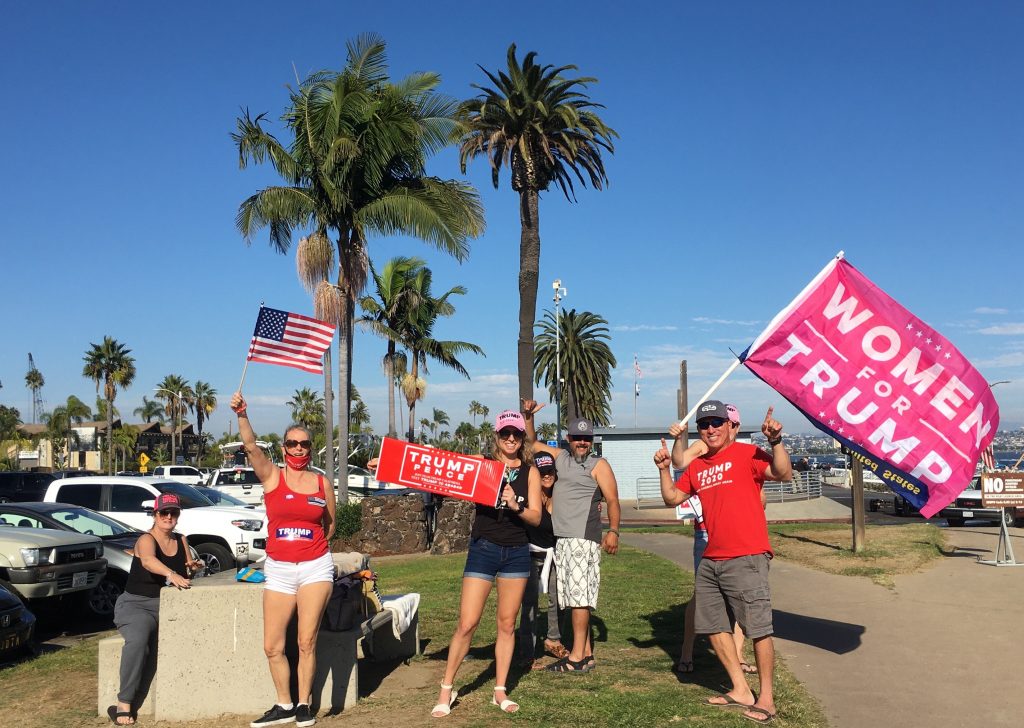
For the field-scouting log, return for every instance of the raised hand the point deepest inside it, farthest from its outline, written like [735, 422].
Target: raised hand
[662, 458]
[675, 430]
[237, 403]
[771, 428]
[530, 407]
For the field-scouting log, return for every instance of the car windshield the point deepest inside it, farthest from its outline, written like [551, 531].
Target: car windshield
[219, 498]
[190, 497]
[90, 522]
[236, 477]
[355, 470]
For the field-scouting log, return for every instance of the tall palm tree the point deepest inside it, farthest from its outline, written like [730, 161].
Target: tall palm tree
[150, 410]
[475, 408]
[204, 403]
[179, 398]
[111, 363]
[440, 420]
[417, 334]
[425, 425]
[356, 165]
[34, 381]
[59, 424]
[384, 312]
[307, 408]
[587, 363]
[541, 124]
[101, 409]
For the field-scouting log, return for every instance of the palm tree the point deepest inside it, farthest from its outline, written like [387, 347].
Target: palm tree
[359, 416]
[464, 434]
[440, 418]
[59, 425]
[356, 165]
[546, 431]
[383, 314]
[540, 124]
[179, 398]
[417, 335]
[486, 431]
[34, 381]
[204, 403]
[307, 409]
[111, 363]
[587, 363]
[125, 440]
[475, 408]
[101, 409]
[150, 410]
[425, 425]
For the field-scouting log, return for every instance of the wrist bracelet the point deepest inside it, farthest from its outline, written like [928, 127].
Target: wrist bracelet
[614, 530]
[776, 441]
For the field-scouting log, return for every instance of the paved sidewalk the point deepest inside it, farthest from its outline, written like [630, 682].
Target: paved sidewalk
[944, 648]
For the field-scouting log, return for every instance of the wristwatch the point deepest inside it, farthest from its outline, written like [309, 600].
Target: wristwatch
[776, 441]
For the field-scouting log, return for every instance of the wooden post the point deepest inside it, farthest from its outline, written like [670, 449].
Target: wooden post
[857, 505]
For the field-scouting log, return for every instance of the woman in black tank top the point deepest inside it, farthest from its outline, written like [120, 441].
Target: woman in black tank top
[499, 552]
[162, 557]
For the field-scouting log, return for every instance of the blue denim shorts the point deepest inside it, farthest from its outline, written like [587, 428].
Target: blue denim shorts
[487, 560]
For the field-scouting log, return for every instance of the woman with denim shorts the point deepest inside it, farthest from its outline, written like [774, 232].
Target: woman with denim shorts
[499, 553]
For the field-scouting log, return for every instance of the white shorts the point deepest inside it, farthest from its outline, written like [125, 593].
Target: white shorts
[578, 563]
[287, 576]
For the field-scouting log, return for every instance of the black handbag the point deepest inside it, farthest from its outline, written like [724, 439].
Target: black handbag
[344, 608]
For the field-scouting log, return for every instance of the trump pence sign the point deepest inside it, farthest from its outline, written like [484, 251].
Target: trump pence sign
[440, 472]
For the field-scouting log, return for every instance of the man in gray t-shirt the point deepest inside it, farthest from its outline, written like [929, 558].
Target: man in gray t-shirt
[583, 480]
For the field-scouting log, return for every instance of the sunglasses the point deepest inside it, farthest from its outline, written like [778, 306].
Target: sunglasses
[168, 513]
[304, 444]
[711, 422]
[581, 438]
[507, 432]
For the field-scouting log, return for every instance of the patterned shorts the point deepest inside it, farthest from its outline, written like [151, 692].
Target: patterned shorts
[578, 563]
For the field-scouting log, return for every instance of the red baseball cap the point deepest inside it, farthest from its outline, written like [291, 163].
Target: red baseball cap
[166, 501]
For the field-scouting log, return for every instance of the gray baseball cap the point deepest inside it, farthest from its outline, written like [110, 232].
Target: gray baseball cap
[580, 427]
[712, 408]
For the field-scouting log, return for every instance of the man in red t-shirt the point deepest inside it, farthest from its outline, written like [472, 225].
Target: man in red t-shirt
[733, 575]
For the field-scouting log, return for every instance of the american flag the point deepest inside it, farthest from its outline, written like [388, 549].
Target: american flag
[988, 458]
[290, 340]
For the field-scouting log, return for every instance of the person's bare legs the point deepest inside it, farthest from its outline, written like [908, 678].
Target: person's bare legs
[764, 656]
[739, 638]
[580, 634]
[277, 612]
[471, 606]
[311, 602]
[510, 598]
[725, 648]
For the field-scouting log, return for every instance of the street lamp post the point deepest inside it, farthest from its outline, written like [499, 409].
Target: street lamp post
[174, 419]
[560, 293]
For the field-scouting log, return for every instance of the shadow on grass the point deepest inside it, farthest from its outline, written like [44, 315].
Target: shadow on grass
[825, 634]
[804, 539]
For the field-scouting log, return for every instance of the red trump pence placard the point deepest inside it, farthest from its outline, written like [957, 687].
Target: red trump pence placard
[441, 472]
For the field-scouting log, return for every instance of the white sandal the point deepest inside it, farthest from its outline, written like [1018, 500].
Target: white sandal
[506, 705]
[441, 710]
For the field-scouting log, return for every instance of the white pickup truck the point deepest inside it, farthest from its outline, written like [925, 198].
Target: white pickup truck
[222, 536]
[181, 473]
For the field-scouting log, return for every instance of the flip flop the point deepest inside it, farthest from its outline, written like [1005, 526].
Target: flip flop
[113, 713]
[748, 669]
[765, 718]
[730, 702]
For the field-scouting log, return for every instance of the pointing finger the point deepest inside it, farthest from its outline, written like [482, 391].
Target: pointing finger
[768, 415]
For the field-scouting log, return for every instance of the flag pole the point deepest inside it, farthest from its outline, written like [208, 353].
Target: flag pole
[716, 385]
[246, 365]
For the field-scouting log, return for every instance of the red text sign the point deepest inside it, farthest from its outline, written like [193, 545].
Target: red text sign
[441, 472]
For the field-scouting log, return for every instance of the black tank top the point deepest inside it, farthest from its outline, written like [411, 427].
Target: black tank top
[542, 536]
[143, 582]
[501, 525]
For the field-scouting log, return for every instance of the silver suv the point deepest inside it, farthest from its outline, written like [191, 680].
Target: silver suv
[43, 562]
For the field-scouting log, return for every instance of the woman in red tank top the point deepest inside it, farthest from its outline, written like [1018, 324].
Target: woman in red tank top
[299, 569]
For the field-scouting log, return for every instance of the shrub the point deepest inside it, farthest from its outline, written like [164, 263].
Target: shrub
[350, 519]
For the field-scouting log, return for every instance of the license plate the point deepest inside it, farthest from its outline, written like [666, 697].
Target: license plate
[79, 578]
[10, 642]
[968, 514]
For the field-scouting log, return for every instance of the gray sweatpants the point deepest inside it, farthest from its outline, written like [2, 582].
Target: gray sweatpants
[137, 619]
[526, 634]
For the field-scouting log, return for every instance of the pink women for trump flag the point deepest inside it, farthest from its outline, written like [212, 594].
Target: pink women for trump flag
[290, 339]
[881, 381]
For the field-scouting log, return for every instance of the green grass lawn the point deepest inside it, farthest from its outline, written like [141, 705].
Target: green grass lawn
[638, 629]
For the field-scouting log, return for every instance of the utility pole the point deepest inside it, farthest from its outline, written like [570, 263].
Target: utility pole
[560, 293]
[682, 402]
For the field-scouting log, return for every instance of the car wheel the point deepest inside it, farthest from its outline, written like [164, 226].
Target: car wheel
[217, 558]
[957, 522]
[101, 598]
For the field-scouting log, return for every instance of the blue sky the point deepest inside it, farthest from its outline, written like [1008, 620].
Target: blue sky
[757, 139]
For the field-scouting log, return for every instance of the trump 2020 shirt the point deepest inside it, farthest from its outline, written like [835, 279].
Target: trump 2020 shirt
[296, 523]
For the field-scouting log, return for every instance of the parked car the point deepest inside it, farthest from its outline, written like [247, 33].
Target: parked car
[968, 505]
[182, 473]
[17, 625]
[118, 543]
[239, 482]
[72, 473]
[221, 535]
[36, 563]
[23, 485]
[220, 498]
